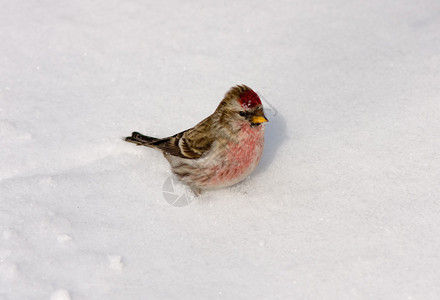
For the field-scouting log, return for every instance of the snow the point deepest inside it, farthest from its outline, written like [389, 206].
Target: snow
[344, 204]
[60, 295]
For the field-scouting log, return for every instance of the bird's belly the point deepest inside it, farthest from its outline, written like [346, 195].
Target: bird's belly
[238, 161]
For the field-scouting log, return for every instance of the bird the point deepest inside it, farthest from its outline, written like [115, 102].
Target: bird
[221, 150]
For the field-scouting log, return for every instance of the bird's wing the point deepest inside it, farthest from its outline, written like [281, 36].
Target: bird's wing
[190, 144]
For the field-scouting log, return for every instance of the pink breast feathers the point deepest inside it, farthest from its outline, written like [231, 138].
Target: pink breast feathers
[241, 160]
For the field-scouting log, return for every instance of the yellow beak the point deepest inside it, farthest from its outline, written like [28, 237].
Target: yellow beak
[259, 119]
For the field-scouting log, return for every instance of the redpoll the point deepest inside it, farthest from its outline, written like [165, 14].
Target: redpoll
[221, 150]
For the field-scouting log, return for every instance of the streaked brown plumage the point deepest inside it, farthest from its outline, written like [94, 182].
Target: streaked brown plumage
[222, 149]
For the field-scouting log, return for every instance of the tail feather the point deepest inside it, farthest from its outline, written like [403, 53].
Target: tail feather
[140, 139]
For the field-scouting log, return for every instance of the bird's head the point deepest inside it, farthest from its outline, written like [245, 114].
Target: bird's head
[241, 106]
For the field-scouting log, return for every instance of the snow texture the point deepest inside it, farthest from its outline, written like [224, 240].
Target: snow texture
[345, 203]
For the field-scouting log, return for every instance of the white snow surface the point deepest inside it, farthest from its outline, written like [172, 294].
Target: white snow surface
[345, 203]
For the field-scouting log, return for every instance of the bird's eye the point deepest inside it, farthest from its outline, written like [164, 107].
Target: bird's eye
[242, 113]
